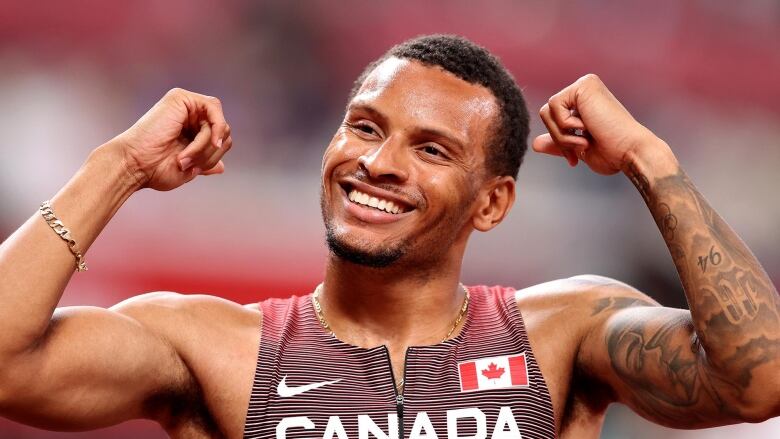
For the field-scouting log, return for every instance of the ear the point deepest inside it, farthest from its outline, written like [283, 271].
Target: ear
[493, 202]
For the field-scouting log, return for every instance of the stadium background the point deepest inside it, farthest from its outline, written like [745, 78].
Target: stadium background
[703, 75]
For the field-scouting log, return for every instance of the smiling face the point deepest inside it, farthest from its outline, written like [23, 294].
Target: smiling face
[404, 174]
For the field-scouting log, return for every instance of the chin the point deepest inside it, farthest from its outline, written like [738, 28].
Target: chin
[360, 253]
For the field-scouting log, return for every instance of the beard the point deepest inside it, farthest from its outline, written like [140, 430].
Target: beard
[378, 258]
[359, 253]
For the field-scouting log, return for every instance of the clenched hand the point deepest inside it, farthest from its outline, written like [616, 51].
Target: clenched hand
[586, 122]
[183, 135]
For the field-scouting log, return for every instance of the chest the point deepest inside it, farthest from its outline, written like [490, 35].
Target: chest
[329, 389]
[433, 404]
[310, 385]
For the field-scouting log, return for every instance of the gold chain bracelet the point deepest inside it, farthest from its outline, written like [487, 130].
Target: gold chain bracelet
[63, 233]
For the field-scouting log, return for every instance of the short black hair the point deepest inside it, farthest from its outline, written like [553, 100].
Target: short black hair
[473, 64]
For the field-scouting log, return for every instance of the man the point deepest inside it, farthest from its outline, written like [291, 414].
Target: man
[391, 345]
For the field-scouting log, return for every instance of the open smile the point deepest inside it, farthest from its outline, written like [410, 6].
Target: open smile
[363, 198]
[372, 205]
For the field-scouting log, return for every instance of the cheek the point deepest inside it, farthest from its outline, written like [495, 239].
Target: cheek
[437, 180]
[339, 151]
[437, 190]
[447, 192]
[340, 158]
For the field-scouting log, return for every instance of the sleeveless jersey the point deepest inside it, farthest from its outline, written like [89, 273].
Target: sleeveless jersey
[482, 383]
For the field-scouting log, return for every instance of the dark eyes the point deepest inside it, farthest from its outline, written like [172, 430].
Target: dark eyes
[432, 150]
[367, 129]
[362, 127]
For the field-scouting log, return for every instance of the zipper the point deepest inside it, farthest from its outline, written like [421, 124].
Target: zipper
[399, 397]
[399, 404]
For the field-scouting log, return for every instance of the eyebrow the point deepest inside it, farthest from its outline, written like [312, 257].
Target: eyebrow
[436, 133]
[373, 112]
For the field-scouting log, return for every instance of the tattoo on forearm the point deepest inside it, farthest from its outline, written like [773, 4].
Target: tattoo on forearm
[640, 181]
[734, 305]
[713, 257]
[727, 269]
[736, 291]
[667, 222]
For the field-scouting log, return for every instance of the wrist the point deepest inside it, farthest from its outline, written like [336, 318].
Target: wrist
[127, 177]
[652, 158]
[94, 194]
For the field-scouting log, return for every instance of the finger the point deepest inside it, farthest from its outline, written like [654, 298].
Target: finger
[549, 142]
[216, 157]
[563, 109]
[545, 144]
[198, 151]
[215, 116]
[192, 121]
[563, 139]
[219, 168]
[228, 143]
[571, 156]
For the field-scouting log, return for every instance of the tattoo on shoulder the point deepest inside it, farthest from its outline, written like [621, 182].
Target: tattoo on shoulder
[663, 375]
[616, 303]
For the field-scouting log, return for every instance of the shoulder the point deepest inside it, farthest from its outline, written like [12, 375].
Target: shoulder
[183, 317]
[586, 293]
[574, 309]
[216, 339]
[558, 317]
[171, 305]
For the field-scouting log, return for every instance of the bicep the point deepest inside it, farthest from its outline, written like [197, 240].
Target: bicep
[94, 367]
[653, 362]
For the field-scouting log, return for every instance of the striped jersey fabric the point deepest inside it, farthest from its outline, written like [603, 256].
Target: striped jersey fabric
[483, 383]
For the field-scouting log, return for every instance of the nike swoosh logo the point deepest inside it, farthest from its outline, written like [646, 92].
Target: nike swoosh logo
[285, 392]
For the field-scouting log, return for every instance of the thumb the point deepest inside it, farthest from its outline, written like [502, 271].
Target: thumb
[546, 145]
[219, 168]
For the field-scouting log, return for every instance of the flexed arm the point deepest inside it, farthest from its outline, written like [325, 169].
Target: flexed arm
[716, 364]
[81, 367]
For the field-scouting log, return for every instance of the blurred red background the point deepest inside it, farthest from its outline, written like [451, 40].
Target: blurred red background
[702, 75]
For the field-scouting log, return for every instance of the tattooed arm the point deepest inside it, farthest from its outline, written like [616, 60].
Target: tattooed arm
[716, 364]
[720, 362]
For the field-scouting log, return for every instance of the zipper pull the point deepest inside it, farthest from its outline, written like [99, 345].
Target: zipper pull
[399, 400]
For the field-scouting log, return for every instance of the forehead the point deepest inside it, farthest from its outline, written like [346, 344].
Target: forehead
[413, 94]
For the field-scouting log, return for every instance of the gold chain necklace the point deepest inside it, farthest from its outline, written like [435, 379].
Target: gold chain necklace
[398, 385]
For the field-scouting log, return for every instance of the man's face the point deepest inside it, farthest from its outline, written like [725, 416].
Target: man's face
[402, 171]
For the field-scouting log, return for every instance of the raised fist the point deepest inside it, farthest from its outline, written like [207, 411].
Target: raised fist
[586, 122]
[183, 135]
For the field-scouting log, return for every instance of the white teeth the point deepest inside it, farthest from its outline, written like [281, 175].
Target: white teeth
[367, 200]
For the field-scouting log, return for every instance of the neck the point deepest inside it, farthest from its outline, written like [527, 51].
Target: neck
[394, 306]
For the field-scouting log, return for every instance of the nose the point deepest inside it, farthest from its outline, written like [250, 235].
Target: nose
[386, 161]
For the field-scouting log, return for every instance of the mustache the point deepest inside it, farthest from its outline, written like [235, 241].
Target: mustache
[416, 197]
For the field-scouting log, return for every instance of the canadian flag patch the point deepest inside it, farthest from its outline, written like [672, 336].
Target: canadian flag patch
[493, 373]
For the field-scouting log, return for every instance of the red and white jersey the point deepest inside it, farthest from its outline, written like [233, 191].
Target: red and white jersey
[483, 383]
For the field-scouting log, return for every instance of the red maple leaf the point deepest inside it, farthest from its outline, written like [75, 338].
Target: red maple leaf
[493, 372]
